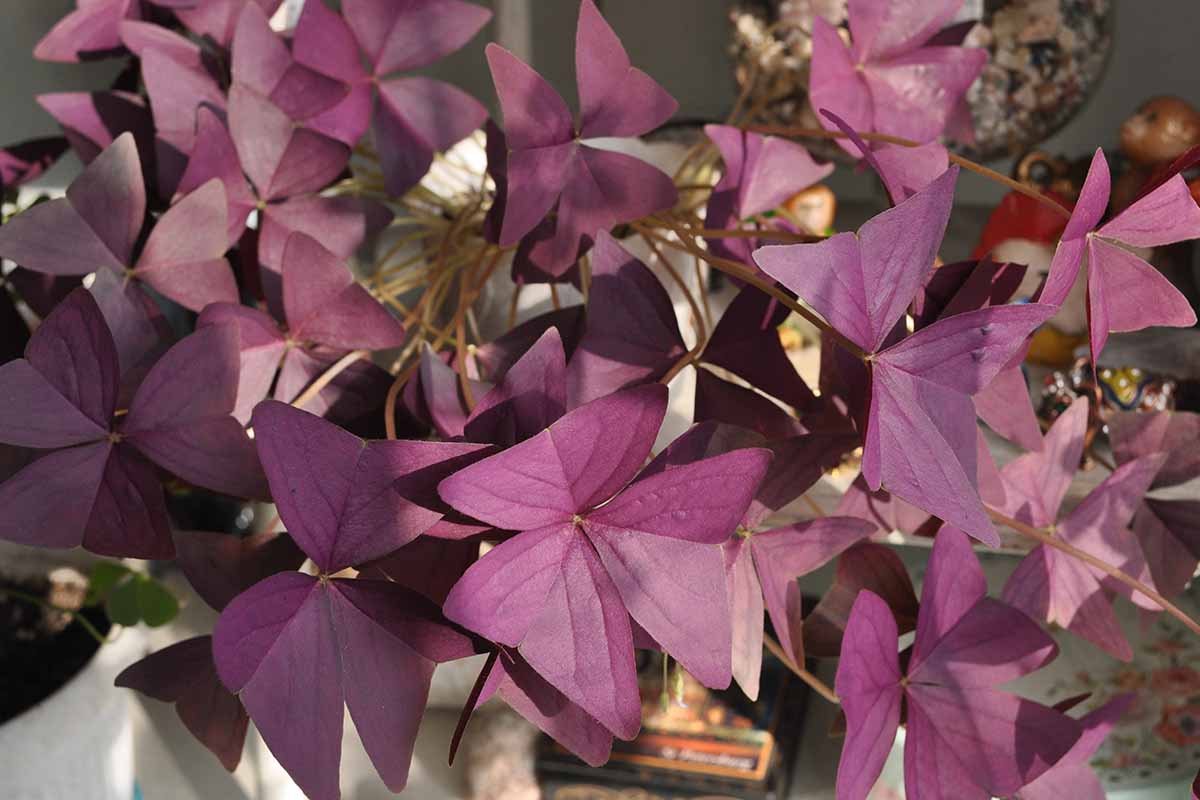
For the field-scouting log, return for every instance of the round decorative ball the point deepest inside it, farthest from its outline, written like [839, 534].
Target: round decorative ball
[1045, 58]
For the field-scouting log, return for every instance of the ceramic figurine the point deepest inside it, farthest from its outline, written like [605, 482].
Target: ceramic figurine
[1163, 129]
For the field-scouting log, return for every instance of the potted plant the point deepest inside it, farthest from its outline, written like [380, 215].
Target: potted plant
[446, 495]
[65, 639]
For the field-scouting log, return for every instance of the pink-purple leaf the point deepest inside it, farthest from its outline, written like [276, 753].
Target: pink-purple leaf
[746, 615]
[781, 555]
[868, 685]
[862, 283]
[595, 189]
[578, 462]
[616, 99]
[675, 590]
[966, 351]
[891, 79]
[594, 666]
[325, 304]
[183, 258]
[502, 595]
[88, 32]
[1124, 292]
[701, 502]
[965, 739]
[34, 496]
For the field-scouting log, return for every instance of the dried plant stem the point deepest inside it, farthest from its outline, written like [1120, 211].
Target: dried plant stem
[328, 375]
[814, 505]
[389, 405]
[965, 163]
[1050, 540]
[702, 288]
[697, 315]
[770, 234]
[816, 684]
[743, 274]
[512, 306]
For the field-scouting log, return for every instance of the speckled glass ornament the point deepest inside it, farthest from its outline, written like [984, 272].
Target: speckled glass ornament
[1046, 57]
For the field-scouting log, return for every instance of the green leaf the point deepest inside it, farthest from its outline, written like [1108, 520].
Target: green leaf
[122, 605]
[158, 606]
[104, 577]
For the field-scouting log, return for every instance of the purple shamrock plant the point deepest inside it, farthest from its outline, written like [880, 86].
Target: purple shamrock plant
[62, 398]
[548, 162]
[365, 46]
[326, 315]
[891, 79]
[99, 223]
[920, 441]
[1124, 293]
[592, 551]
[964, 738]
[233, 237]
[1053, 586]
[279, 644]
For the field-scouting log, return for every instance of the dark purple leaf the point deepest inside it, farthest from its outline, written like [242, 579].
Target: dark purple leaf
[183, 674]
[24, 162]
[746, 342]
[634, 339]
[220, 566]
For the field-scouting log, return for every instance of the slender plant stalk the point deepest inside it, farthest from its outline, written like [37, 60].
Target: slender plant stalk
[770, 234]
[75, 616]
[389, 405]
[965, 163]
[469, 706]
[702, 288]
[813, 505]
[460, 354]
[816, 684]
[337, 368]
[1057, 543]
[697, 316]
